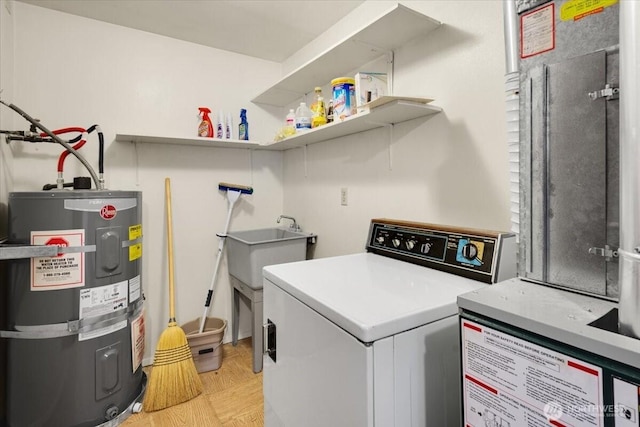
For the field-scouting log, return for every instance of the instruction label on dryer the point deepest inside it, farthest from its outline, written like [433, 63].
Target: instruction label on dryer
[510, 382]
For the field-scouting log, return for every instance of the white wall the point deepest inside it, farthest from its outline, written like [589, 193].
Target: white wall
[72, 71]
[451, 168]
[6, 115]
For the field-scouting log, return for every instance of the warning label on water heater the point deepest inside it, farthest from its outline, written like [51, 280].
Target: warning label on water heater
[137, 341]
[135, 250]
[66, 270]
[102, 302]
[510, 382]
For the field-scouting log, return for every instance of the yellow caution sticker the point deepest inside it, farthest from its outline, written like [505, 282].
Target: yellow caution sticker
[574, 10]
[135, 232]
[135, 251]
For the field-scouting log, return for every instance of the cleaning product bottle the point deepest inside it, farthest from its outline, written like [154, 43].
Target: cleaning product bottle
[220, 125]
[229, 127]
[206, 127]
[291, 119]
[243, 127]
[330, 111]
[303, 118]
[319, 116]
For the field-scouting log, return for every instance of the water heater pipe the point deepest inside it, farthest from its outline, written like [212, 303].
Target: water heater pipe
[510, 19]
[629, 251]
[58, 140]
[512, 104]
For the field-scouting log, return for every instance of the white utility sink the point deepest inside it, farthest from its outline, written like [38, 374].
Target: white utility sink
[247, 253]
[250, 250]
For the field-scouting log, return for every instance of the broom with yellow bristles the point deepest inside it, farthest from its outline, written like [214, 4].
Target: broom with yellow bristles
[174, 378]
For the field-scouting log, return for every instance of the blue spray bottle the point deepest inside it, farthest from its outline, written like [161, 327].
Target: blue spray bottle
[243, 127]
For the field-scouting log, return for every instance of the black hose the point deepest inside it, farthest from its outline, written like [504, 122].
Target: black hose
[101, 147]
[101, 156]
[74, 140]
[78, 138]
[48, 187]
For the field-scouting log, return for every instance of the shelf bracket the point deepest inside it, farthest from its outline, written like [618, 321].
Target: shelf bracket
[390, 127]
[390, 71]
[390, 141]
[373, 47]
[137, 162]
[251, 167]
[390, 59]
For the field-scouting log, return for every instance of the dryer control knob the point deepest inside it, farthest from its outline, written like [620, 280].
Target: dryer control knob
[410, 244]
[396, 243]
[470, 251]
[380, 239]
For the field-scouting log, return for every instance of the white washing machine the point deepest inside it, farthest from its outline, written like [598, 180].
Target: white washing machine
[372, 339]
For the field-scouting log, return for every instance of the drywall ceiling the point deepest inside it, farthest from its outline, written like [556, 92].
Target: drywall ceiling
[267, 29]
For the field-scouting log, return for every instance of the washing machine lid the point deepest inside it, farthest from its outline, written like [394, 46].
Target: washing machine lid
[369, 295]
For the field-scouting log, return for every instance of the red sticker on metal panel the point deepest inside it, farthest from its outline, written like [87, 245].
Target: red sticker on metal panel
[57, 241]
[108, 212]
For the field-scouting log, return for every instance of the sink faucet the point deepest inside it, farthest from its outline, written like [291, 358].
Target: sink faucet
[294, 225]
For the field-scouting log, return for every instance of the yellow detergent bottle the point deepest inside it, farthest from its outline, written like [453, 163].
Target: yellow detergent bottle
[319, 116]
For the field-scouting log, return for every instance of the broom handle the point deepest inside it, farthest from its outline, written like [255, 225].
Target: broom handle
[167, 192]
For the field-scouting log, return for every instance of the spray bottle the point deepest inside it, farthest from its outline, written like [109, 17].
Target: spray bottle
[220, 129]
[206, 127]
[229, 127]
[243, 127]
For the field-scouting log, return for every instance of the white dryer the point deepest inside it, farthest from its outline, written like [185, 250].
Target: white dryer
[372, 339]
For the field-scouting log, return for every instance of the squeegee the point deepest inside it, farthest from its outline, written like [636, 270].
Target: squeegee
[234, 192]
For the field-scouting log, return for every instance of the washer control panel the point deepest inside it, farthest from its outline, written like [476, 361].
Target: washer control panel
[487, 256]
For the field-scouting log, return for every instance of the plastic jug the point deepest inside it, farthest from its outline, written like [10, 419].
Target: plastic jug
[303, 118]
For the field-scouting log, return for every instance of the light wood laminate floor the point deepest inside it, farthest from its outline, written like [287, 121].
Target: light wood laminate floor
[232, 397]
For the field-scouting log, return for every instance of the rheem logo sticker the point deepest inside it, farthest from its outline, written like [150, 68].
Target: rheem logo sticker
[108, 212]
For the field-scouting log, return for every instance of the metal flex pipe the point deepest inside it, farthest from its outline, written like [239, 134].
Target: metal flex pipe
[629, 251]
[510, 20]
[58, 140]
